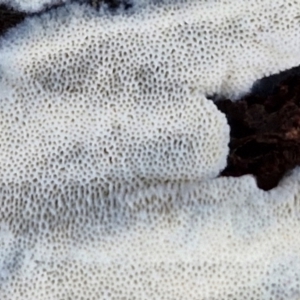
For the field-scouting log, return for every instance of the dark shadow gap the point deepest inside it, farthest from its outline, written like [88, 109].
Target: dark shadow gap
[265, 129]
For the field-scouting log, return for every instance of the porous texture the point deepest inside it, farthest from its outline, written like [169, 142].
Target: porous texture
[70, 112]
[215, 47]
[116, 142]
[107, 145]
[219, 239]
[68, 148]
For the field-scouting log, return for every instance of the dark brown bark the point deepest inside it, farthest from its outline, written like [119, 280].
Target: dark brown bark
[265, 132]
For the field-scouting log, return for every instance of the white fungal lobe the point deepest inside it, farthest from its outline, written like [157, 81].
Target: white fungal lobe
[109, 152]
[215, 47]
[107, 104]
[52, 139]
[222, 239]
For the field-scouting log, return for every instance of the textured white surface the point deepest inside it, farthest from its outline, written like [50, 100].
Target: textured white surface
[106, 138]
[113, 141]
[220, 239]
[215, 47]
[79, 110]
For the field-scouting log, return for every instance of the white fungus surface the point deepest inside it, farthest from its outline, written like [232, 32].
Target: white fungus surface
[219, 239]
[70, 111]
[212, 47]
[115, 142]
[109, 146]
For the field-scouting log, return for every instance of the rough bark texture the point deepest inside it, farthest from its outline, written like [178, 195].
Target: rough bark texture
[265, 130]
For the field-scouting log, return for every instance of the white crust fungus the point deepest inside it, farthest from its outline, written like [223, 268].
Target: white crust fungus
[108, 147]
[71, 111]
[219, 239]
[116, 142]
[215, 47]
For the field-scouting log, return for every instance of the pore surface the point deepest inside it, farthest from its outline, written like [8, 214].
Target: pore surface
[215, 47]
[106, 139]
[220, 239]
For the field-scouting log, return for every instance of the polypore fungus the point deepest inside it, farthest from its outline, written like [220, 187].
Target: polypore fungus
[109, 146]
[53, 139]
[219, 239]
[211, 47]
